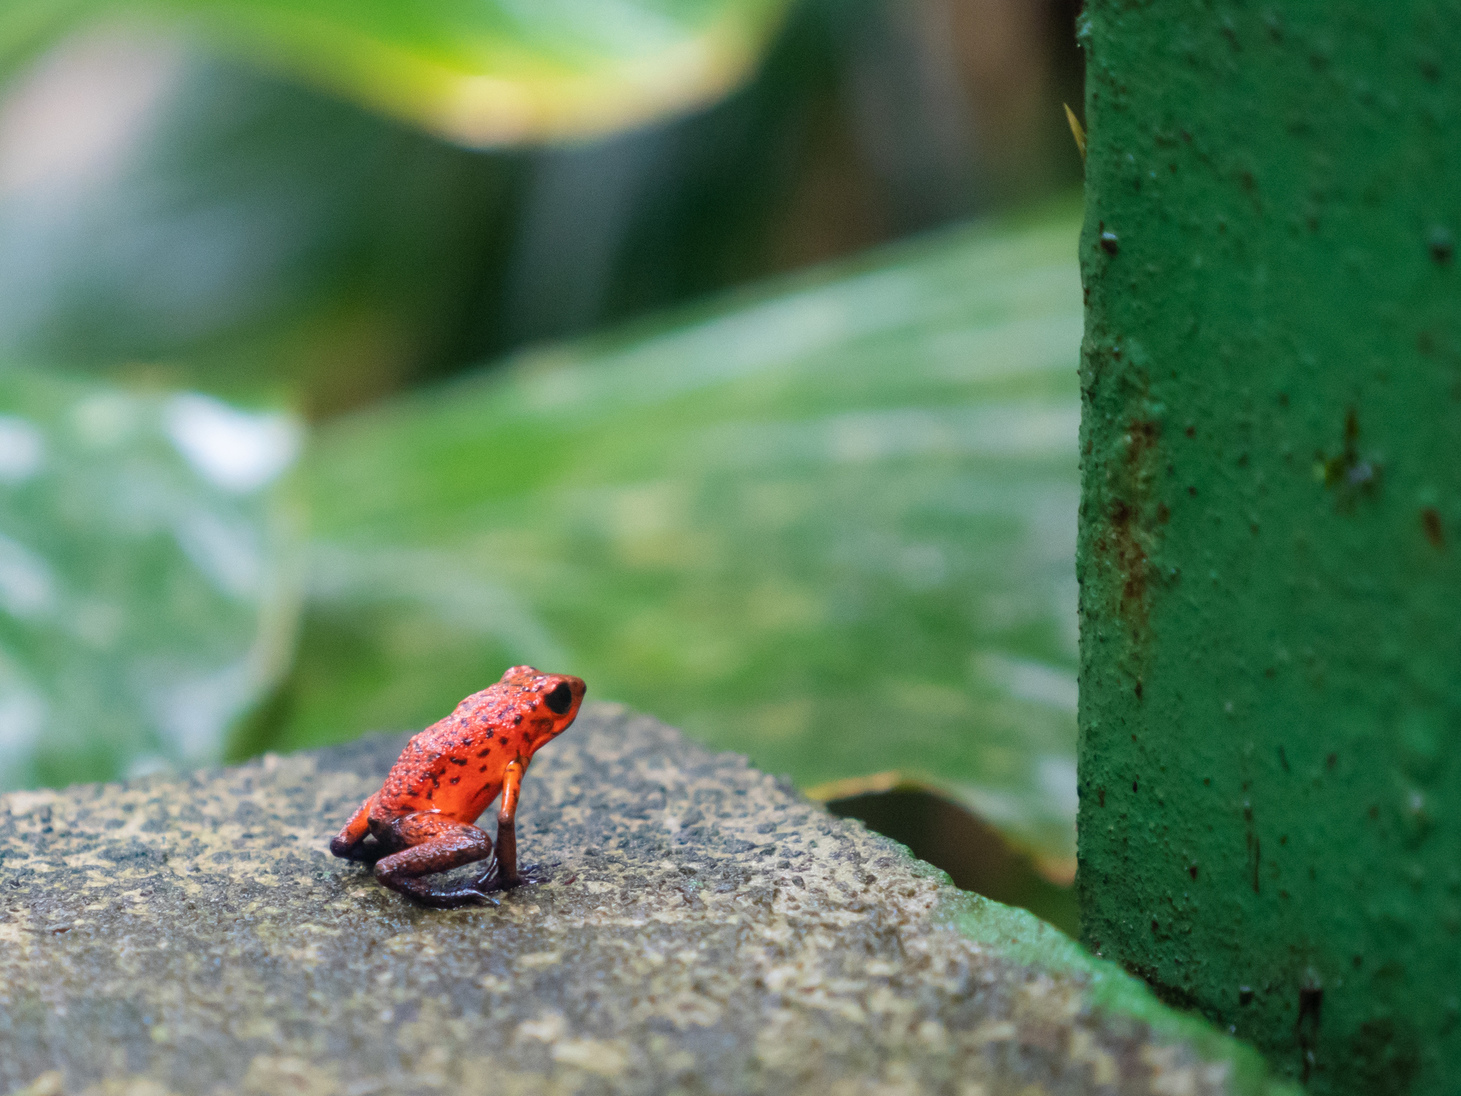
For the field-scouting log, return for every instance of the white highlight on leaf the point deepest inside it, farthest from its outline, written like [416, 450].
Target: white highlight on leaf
[22, 449]
[27, 588]
[239, 451]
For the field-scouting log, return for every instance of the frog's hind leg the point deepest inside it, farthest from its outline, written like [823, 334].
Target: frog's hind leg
[353, 842]
[434, 844]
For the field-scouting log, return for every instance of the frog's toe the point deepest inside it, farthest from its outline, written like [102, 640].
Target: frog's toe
[528, 874]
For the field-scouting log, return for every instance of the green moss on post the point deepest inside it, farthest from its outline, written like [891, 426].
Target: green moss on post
[1270, 556]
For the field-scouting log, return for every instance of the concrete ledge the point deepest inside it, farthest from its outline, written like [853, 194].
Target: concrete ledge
[705, 930]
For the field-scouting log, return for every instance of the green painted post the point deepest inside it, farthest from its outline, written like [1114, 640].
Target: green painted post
[1270, 552]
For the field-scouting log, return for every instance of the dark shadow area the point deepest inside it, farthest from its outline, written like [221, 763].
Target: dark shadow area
[974, 854]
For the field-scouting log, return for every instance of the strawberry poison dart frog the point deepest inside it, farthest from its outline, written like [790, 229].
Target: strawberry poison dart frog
[421, 820]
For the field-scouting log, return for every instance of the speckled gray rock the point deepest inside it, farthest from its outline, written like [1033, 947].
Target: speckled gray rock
[704, 930]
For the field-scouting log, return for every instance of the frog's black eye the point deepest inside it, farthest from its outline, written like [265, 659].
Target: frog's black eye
[559, 699]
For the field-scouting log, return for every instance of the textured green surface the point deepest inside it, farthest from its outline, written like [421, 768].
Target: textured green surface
[833, 529]
[480, 72]
[1270, 704]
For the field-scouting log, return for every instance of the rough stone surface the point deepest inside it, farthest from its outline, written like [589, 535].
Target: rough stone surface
[704, 930]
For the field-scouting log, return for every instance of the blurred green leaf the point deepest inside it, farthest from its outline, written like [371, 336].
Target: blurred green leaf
[833, 529]
[253, 237]
[150, 575]
[478, 73]
[201, 224]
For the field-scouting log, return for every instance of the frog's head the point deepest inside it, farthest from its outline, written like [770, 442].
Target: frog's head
[549, 701]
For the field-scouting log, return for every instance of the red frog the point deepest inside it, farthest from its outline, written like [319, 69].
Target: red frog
[421, 820]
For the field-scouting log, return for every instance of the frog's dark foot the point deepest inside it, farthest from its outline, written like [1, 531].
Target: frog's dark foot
[365, 852]
[469, 895]
[527, 874]
[535, 873]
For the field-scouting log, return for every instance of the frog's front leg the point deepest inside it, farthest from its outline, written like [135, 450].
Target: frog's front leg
[507, 874]
[434, 843]
[355, 842]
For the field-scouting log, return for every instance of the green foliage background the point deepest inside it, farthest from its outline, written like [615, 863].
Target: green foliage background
[828, 522]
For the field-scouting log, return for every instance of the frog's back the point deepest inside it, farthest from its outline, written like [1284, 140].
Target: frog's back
[454, 766]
